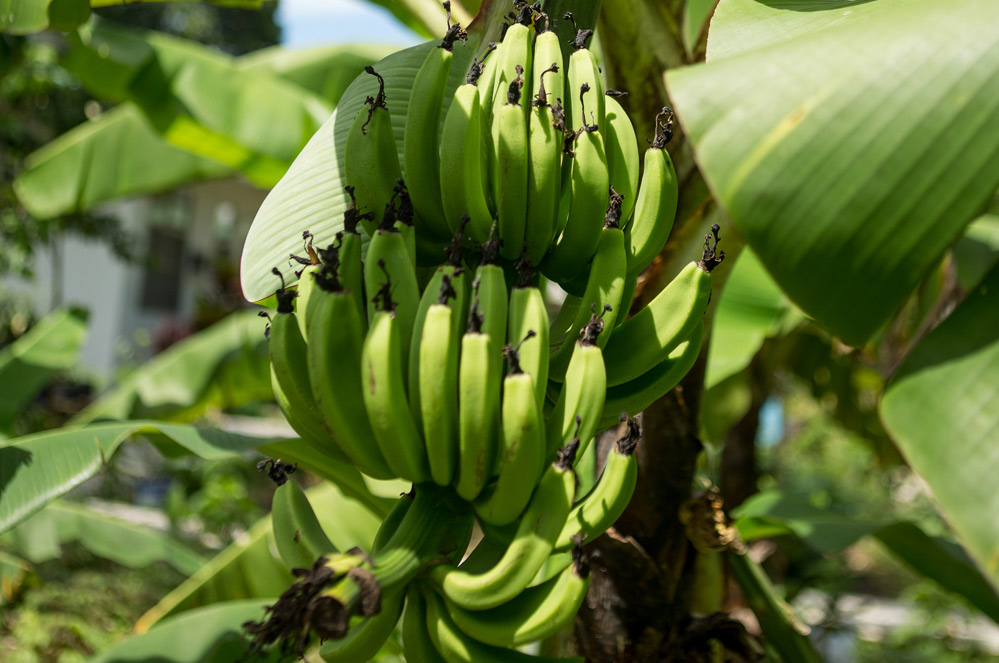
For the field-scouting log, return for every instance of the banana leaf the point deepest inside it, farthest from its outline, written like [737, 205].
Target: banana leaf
[851, 143]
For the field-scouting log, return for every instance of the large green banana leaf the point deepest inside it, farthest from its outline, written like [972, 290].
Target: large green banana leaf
[224, 366]
[26, 365]
[213, 634]
[38, 539]
[21, 17]
[851, 143]
[942, 410]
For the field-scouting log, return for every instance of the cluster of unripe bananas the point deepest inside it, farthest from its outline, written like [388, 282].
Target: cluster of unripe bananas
[453, 377]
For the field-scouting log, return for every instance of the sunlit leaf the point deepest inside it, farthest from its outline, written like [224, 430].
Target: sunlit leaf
[850, 155]
[942, 411]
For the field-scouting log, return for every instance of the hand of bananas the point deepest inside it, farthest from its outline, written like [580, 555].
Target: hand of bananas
[454, 377]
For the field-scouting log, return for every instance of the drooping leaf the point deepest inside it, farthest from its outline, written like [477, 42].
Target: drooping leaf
[36, 469]
[213, 634]
[850, 155]
[27, 364]
[115, 155]
[38, 538]
[942, 410]
[750, 310]
[22, 17]
[225, 365]
[199, 99]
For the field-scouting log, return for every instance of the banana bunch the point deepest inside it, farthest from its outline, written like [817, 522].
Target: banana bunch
[428, 353]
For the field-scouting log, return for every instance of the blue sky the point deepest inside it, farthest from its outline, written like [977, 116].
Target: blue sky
[318, 22]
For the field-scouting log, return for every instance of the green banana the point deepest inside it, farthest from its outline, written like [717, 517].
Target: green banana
[306, 280]
[459, 284]
[416, 642]
[420, 145]
[544, 166]
[527, 313]
[588, 191]
[479, 384]
[384, 392]
[388, 259]
[621, 146]
[373, 166]
[651, 334]
[290, 377]
[457, 647]
[462, 165]
[536, 613]
[604, 289]
[366, 639]
[536, 533]
[547, 52]
[521, 455]
[490, 290]
[584, 71]
[298, 536]
[350, 268]
[636, 395]
[600, 509]
[576, 412]
[511, 166]
[336, 338]
[513, 52]
[655, 208]
[438, 385]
